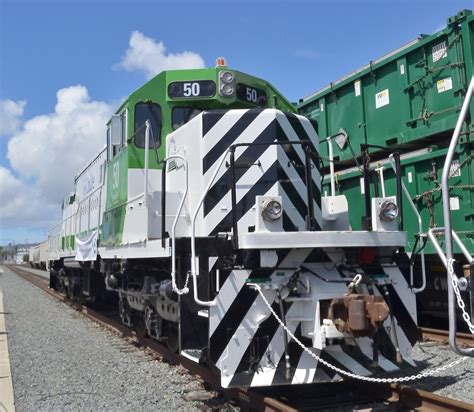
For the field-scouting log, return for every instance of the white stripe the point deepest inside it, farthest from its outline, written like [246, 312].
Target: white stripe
[224, 124]
[344, 359]
[245, 183]
[247, 136]
[226, 296]
[291, 134]
[306, 368]
[275, 351]
[299, 184]
[308, 127]
[401, 286]
[258, 312]
[291, 211]
[365, 345]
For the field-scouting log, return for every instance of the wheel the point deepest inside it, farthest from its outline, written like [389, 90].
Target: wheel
[125, 312]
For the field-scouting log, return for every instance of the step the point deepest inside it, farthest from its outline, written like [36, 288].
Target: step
[204, 313]
[192, 354]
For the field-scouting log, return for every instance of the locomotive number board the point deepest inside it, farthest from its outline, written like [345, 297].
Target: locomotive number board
[251, 95]
[186, 90]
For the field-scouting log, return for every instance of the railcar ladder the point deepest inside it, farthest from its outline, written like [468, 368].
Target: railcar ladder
[447, 258]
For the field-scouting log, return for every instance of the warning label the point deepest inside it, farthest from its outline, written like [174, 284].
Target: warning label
[439, 51]
[382, 99]
[444, 85]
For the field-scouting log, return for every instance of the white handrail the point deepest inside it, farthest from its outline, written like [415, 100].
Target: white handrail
[421, 234]
[145, 188]
[193, 233]
[175, 223]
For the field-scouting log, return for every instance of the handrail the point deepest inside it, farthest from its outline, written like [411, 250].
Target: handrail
[420, 231]
[145, 177]
[175, 222]
[193, 232]
[447, 220]
[433, 231]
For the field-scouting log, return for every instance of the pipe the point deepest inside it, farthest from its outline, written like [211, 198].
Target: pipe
[420, 230]
[331, 166]
[447, 220]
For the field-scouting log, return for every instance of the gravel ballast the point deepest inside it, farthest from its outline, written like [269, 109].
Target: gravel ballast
[63, 361]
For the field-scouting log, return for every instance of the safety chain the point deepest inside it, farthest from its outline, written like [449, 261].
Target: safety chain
[461, 304]
[423, 374]
[185, 289]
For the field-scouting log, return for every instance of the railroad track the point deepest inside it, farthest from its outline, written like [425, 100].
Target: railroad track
[293, 398]
[438, 335]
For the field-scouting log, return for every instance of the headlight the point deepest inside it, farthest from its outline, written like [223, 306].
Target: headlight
[271, 210]
[227, 90]
[227, 77]
[388, 211]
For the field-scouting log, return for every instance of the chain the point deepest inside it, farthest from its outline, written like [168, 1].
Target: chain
[461, 305]
[185, 289]
[423, 374]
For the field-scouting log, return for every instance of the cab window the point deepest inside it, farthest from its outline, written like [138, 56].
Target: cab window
[182, 115]
[144, 112]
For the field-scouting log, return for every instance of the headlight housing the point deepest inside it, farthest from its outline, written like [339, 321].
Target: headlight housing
[271, 210]
[227, 83]
[226, 76]
[388, 211]
[227, 90]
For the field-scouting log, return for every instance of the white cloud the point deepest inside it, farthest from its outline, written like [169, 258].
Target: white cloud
[145, 54]
[47, 153]
[10, 114]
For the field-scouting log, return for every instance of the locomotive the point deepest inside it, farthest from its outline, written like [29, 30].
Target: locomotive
[203, 216]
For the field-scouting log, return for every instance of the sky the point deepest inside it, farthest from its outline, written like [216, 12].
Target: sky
[66, 65]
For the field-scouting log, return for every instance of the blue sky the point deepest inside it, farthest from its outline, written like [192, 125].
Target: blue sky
[299, 46]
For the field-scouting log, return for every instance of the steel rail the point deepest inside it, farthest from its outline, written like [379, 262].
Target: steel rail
[439, 335]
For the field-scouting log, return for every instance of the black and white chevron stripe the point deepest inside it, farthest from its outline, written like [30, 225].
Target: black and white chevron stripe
[261, 169]
[240, 322]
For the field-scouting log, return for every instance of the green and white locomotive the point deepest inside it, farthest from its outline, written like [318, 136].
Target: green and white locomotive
[204, 217]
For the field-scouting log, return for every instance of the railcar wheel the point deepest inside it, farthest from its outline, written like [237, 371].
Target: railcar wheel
[139, 325]
[125, 311]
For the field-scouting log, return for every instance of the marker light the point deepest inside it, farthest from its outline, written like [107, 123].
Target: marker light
[388, 211]
[220, 61]
[271, 210]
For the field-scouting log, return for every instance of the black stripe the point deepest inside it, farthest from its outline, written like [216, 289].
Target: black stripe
[256, 350]
[262, 186]
[292, 193]
[402, 315]
[300, 131]
[328, 371]
[248, 157]
[209, 119]
[296, 352]
[298, 163]
[232, 134]
[288, 225]
[400, 311]
[356, 353]
[236, 313]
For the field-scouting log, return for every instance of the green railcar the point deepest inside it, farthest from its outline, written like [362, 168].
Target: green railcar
[407, 101]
